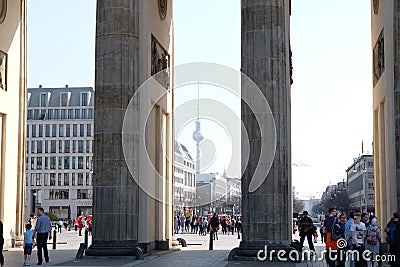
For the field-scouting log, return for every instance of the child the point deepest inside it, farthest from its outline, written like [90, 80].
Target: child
[28, 244]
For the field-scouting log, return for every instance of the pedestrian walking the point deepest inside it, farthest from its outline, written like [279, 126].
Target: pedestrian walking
[372, 242]
[238, 226]
[28, 244]
[330, 241]
[393, 233]
[214, 224]
[306, 230]
[42, 233]
[358, 236]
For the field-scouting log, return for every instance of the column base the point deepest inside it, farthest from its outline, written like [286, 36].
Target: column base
[113, 248]
[264, 251]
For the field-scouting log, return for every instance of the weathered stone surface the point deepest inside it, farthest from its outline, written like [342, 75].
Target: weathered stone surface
[265, 59]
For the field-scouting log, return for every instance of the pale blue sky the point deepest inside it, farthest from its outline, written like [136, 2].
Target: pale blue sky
[331, 94]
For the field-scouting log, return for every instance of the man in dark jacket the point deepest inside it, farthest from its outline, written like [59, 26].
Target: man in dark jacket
[393, 232]
[306, 229]
[214, 224]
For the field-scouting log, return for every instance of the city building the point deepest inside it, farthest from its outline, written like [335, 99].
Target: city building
[184, 180]
[59, 150]
[385, 52]
[211, 192]
[12, 118]
[360, 184]
[233, 195]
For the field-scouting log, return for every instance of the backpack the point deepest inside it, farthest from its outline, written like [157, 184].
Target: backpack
[391, 232]
[336, 230]
[372, 236]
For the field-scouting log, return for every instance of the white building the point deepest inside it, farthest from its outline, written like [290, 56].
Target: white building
[59, 150]
[184, 179]
[211, 190]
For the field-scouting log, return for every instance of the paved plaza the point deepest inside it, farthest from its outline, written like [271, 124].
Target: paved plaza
[196, 253]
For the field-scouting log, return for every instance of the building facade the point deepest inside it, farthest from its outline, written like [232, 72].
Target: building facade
[12, 117]
[360, 184]
[59, 150]
[211, 192]
[385, 51]
[184, 179]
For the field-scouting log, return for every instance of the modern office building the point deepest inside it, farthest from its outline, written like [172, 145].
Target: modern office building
[59, 150]
[211, 190]
[184, 180]
[360, 184]
[12, 117]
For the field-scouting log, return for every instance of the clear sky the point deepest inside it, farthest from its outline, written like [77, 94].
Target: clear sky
[331, 94]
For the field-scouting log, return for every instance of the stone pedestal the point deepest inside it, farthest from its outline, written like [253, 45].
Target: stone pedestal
[267, 211]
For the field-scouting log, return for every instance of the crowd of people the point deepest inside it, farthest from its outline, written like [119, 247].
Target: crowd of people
[203, 224]
[357, 232]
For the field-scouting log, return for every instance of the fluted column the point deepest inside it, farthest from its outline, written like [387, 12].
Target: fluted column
[115, 196]
[266, 60]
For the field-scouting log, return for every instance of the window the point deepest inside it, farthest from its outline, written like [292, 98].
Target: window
[30, 115]
[66, 179]
[40, 130]
[54, 130]
[32, 179]
[89, 130]
[87, 146]
[70, 114]
[39, 146]
[27, 147]
[82, 130]
[60, 150]
[38, 179]
[84, 193]
[46, 179]
[59, 180]
[67, 130]
[64, 99]
[91, 114]
[73, 179]
[60, 161]
[59, 194]
[67, 146]
[56, 114]
[84, 98]
[66, 163]
[49, 114]
[84, 114]
[33, 147]
[74, 146]
[73, 163]
[46, 146]
[47, 131]
[36, 114]
[87, 179]
[33, 130]
[75, 130]
[87, 163]
[39, 163]
[53, 146]
[77, 114]
[42, 114]
[43, 100]
[61, 130]
[80, 163]
[80, 178]
[80, 146]
[53, 162]
[63, 114]
[52, 179]
[46, 163]
[32, 163]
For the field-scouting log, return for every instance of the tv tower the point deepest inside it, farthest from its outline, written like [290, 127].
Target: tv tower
[197, 136]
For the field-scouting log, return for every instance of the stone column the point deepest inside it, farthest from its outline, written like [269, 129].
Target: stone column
[266, 212]
[115, 196]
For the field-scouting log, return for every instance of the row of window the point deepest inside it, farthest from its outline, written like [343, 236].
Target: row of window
[188, 180]
[64, 130]
[64, 146]
[60, 114]
[63, 179]
[64, 194]
[64, 99]
[59, 162]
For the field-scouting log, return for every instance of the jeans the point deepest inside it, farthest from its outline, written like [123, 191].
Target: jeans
[42, 244]
[309, 240]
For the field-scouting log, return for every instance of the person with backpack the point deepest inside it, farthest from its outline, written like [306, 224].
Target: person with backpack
[358, 237]
[331, 237]
[372, 242]
[393, 236]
